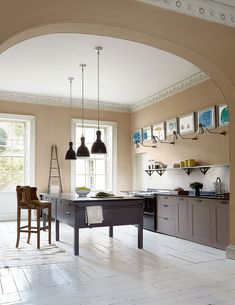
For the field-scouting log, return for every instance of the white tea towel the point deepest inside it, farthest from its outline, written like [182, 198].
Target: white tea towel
[94, 214]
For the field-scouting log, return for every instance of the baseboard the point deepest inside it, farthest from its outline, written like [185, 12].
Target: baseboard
[230, 251]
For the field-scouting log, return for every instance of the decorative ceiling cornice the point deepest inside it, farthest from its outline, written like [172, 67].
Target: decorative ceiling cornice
[56, 101]
[178, 87]
[64, 102]
[210, 10]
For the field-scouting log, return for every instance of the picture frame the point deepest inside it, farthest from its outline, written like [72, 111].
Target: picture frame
[223, 115]
[147, 133]
[137, 136]
[207, 117]
[159, 130]
[171, 125]
[187, 123]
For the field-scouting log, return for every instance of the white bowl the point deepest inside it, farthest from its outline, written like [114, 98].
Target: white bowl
[82, 193]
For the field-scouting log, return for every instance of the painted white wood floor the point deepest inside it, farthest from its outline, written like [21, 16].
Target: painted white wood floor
[167, 271]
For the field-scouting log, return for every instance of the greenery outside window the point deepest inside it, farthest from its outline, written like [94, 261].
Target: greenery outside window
[15, 149]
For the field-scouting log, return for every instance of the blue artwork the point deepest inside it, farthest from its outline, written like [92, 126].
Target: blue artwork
[223, 115]
[137, 136]
[206, 118]
[147, 134]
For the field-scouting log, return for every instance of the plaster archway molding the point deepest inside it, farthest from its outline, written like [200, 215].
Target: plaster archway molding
[152, 29]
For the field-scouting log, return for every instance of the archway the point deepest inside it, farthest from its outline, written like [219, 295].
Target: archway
[190, 38]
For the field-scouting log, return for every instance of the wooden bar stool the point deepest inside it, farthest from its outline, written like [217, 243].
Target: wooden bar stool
[27, 199]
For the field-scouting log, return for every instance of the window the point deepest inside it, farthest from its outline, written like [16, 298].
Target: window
[15, 148]
[97, 171]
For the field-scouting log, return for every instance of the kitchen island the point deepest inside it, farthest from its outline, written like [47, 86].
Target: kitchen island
[71, 210]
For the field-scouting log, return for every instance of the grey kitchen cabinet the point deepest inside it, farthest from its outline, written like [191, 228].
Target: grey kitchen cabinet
[220, 223]
[166, 215]
[200, 220]
[181, 217]
[205, 221]
[172, 214]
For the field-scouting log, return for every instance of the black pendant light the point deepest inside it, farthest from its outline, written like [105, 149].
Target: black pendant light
[82, 150]
[98, 147]
[70, 154]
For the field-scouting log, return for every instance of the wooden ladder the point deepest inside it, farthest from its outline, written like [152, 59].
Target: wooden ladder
[54, 172]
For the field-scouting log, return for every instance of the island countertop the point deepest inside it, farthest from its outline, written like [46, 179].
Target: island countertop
[75, 197]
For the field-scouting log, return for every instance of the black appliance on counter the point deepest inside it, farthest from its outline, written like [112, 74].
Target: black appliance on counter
[150, 209]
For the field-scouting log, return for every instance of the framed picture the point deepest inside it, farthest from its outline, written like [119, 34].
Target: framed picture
[159, 130]
[171, 125]
[147, 133]
[137, 136]
[207, 117]
[187, 123]
[223, 115]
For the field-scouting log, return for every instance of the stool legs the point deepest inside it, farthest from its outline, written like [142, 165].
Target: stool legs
[38, 228]
[18, 227]
[29, 225]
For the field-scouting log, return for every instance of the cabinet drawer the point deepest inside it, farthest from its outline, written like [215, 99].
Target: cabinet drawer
[66, 212]
[166, 225]
[166, 199]
[166, 210]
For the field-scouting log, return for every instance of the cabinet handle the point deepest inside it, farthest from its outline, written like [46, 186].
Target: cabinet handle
[180, 198]
[165, 197]
[68, 213]
[165, 218]
[165, 205]
[223, 202]
[199, 200]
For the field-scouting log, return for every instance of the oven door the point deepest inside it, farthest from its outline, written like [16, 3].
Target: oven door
[150, 214]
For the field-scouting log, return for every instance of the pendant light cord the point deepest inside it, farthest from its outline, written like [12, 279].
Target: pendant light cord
[82, 98]
[70, 99]
[98, 91]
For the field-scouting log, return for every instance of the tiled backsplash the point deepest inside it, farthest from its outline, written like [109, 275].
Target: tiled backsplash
[172, 179]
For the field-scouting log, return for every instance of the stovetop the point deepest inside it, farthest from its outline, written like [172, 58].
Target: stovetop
[149, 192]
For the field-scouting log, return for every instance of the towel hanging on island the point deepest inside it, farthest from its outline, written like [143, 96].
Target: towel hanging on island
[94, 214]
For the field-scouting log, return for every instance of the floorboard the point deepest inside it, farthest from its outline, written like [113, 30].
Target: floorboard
[168, 271]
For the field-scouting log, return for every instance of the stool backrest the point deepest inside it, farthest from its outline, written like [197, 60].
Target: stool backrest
[25, 194]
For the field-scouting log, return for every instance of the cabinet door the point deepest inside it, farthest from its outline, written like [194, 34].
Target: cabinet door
[220, 219]
[181, 217]
[200, 221]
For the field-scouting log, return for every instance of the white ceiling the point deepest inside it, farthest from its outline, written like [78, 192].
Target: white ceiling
[129, 71]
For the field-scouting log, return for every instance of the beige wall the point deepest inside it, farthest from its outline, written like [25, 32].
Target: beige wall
[208, 149]
[208, 45]
[53, 127]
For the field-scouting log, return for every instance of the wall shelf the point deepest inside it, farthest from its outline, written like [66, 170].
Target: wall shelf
[203, 169]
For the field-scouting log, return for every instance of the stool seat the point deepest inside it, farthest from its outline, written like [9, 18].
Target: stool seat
[27, 199]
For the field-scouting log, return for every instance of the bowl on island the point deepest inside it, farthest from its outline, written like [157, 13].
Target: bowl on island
[82, 191]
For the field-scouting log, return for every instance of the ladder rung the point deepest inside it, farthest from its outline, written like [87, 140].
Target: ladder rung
[54, 166]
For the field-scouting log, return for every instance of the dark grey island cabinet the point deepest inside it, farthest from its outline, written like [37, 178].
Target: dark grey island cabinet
[71, 210]
[205, 221]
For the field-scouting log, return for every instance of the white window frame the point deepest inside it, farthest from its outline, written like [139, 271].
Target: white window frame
[29, 144]
[114, 149]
